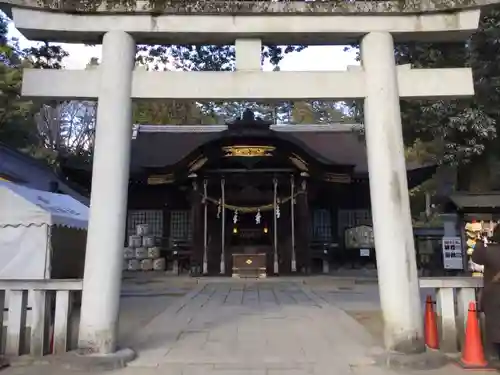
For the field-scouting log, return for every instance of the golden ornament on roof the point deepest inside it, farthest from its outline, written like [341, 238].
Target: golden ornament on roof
[248, 151]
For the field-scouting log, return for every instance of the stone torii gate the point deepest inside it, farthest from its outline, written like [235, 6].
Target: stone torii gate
[115, 83]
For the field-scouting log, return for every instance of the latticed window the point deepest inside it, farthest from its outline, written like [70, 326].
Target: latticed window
[180, 225]
[353, 218]
[321, 225]
[153, 218]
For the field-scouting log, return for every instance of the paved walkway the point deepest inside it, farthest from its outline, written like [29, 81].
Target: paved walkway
[253, 325]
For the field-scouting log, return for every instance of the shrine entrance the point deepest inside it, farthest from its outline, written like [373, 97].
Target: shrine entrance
[250, 235]
[252, 220]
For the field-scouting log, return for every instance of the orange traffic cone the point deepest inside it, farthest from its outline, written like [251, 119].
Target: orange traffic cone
[430, 324]
[473, 351]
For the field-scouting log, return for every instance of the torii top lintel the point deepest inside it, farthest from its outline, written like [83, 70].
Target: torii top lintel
[224, 21]
[252, 6]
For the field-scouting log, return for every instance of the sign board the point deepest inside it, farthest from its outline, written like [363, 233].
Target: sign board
[359, 237]
[452, 253]
[364, 252]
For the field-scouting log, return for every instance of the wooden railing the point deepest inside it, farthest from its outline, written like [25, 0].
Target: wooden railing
[38, 315]
[452, 296]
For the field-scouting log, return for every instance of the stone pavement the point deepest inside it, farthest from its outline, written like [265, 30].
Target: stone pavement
[238, 327]
[359, 297]
[252, 325]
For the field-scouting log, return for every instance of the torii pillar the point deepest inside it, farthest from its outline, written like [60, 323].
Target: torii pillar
[391, 215]
[108, 203]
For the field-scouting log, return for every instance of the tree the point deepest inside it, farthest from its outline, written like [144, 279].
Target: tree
[17, 125]
[15, 128]
[203, 57]
[6, 49]
[467, 128]
[68, 128]
[170, 112]
[460, 132]
[319, 112]
[45, 56]
[212, 58]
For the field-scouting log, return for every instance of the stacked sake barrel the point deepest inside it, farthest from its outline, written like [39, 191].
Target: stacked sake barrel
[142, 254]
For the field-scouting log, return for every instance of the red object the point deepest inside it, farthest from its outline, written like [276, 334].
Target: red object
[430, 324]
[473, 351]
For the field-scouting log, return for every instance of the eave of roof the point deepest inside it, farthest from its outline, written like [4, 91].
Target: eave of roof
[338, 127]
[471, 201]
[308, 136]
[64, 185]
[145, 150]
[24, 157]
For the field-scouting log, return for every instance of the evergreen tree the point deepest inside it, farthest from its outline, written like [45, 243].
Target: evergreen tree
[460, 132]
[18, 127]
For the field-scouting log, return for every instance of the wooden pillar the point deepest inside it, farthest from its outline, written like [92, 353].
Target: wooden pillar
[292, 221]
[303, 232]
[205, 228]
[275, 227]
[223, 228]
[197, 228]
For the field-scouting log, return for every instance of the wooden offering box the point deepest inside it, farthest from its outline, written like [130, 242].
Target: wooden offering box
[249, 265]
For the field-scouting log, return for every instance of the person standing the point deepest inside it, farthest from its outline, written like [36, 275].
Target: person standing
[488, 255]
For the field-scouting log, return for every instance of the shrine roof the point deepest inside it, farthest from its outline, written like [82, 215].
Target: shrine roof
[472, 202]
[335, 144]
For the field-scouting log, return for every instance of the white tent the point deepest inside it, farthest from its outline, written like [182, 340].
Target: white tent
[27, 221]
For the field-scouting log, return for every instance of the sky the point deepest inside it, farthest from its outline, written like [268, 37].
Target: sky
[313, 58]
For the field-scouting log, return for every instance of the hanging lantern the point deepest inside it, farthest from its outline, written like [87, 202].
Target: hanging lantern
[235, 217]
[258, 217]
[235, 230]
[266, 230]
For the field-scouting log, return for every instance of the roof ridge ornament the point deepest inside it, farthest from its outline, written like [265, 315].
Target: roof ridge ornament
[249, 121]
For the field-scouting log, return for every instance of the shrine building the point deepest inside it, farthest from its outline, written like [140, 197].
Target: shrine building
[296, 197]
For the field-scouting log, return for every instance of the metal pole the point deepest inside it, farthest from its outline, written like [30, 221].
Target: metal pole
[292, 214]
[205, 229]
[275, 219]
[223, 218]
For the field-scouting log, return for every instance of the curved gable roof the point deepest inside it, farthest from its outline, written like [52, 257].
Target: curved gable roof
[162, 146]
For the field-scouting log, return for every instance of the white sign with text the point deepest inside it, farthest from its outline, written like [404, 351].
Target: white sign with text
[452, 253]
